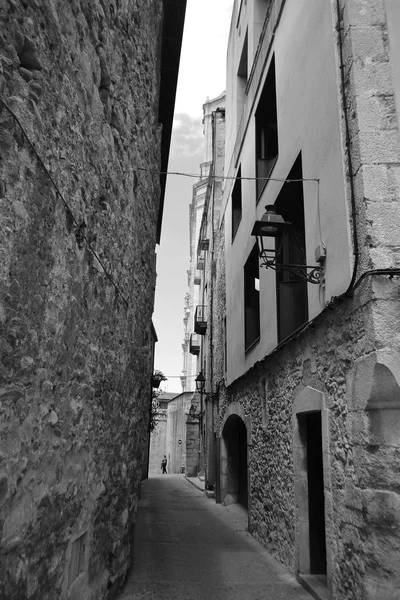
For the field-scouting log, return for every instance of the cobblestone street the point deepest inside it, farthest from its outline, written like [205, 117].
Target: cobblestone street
[190, 548]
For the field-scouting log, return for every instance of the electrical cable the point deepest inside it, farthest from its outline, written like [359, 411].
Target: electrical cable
[221, 177]
[70, 213]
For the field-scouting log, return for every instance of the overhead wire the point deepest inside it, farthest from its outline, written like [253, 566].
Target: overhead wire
[223, 177]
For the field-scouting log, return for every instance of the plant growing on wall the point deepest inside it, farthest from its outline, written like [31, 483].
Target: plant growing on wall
[155, 405]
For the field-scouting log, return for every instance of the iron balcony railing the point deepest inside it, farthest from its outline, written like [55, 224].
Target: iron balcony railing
[194, 345]
[200, 320]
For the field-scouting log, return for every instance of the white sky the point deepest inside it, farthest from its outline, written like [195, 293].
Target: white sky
[203, 58]
[201, 74]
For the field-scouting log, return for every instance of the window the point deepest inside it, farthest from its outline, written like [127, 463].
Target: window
[291, 291]
[242, 75]
[266, 129]
[236, 204]
[251, 299]
[225, 347]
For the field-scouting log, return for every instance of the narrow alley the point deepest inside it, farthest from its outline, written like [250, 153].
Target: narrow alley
[188, 547]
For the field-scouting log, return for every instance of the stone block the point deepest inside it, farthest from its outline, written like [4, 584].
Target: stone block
[379, 146]
[381, 508]
[382, 588]
[361, 13]
[377, 182]
[372, 79]
[368, 44]
[376, 113]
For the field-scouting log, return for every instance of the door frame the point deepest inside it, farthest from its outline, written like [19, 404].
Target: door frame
[307, 401]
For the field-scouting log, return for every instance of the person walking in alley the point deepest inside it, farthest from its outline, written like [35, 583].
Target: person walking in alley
[164, 465]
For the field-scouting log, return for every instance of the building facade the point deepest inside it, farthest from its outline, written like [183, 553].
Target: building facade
[175, 435]
[199, 302]
[87, 93]
[158, 437]
[305, 385]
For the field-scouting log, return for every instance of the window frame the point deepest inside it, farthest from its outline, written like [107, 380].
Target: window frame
[269, 89]
[283, 279]
[236, 193]
[249, 271]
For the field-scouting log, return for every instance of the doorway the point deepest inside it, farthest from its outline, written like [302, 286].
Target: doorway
[234, 470]
[310, 429]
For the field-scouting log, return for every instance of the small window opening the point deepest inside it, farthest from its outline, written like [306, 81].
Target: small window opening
[236, 204]
[266, 130]
[242, 76]
[225, 347]
[251, 299]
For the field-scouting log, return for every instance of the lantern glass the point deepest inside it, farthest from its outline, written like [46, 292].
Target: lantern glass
[200, 382]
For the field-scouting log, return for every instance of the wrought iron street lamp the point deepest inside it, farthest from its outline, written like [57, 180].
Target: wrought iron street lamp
[200, 382]
[272, 225]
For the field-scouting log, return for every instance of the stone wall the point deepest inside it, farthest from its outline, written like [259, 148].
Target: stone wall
[192, 447]
[75, 341]
[361, 491]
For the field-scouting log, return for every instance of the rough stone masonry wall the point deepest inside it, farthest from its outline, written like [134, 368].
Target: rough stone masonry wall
[82, 77]
[372, 500]
[361, 533]
[351, 355]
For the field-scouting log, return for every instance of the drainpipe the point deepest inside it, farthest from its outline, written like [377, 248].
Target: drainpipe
[350, 289]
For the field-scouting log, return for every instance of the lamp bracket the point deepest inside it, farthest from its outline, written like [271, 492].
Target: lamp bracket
[316, 275]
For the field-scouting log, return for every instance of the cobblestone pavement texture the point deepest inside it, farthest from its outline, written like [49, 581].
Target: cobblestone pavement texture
[187, 547]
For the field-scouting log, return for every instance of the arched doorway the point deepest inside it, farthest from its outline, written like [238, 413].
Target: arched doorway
[234, 475]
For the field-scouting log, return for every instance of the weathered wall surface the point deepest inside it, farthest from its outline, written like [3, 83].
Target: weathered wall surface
[158, 444]
[75, 360]
[178, 410]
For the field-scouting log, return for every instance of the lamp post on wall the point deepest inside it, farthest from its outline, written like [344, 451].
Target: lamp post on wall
[200, 386]
[273, 226]
[200, 383]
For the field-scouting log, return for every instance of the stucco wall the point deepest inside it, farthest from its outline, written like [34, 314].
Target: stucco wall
[75, 360]
[308, 122]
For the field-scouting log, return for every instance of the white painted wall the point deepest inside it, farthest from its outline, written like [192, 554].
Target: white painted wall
[308, 121]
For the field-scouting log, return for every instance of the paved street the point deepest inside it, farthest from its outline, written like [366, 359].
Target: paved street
[189, 548]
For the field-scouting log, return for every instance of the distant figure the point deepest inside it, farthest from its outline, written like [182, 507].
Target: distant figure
[164, 465]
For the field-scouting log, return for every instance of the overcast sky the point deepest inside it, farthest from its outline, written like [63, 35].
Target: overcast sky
[201, 75]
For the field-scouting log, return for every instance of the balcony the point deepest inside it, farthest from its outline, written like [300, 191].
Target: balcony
[194, 345]
[200, 263]
[204, 244]
[200, 320]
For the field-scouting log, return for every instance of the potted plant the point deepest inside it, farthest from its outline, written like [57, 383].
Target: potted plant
[157, 378]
